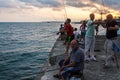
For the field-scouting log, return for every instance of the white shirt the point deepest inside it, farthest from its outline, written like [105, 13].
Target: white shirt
[75, 34]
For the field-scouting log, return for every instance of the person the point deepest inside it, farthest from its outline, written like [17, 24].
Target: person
[61, 33]
[111, 36]
[97, 29]
[90, 38]
[73, 63]
[75, 33]
[65, 33]
[83, 31]
[70, 35]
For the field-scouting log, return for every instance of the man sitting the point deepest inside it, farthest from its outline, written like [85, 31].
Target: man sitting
[73, 63]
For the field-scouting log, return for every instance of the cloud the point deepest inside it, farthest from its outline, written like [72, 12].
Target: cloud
[43, 3]
[77, 3]
[7, 4]
[13, 4]
[115, 4]
[38, 9]
[33, 3]
[50, 3]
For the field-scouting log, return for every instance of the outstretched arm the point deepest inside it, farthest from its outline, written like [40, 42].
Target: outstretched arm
[116, 27]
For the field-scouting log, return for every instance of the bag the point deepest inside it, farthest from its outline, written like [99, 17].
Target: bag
[116, 47]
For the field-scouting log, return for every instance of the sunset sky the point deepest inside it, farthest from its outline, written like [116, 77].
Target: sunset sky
[55, 10]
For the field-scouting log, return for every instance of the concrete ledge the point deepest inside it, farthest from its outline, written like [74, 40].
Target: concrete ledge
[93, 70]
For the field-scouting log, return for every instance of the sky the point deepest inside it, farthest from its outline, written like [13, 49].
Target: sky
[55, 10]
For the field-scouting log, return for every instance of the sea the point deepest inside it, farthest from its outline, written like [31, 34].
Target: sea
[25, 47]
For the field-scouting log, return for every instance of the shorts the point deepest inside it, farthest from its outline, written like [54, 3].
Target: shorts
[83, 34]
[70, 38]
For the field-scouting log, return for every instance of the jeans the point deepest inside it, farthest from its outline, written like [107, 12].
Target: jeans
[108, 46]
[66, 71]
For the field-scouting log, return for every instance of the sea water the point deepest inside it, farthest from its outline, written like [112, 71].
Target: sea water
[24, 47]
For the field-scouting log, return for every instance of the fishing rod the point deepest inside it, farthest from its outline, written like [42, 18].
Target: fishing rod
[53, 17]
[103, 12]
[46, 37]
[49, 70]
[65, 9]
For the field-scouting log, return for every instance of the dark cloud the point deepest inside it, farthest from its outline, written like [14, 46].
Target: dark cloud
[85, 5]
[115, 4]
[6, 4]
[26, 0]
[50, 3]
[43, 3]
[13, 4]
[77, 3]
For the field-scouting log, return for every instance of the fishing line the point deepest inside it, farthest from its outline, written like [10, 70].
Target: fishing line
[46, 37]
[65, 9]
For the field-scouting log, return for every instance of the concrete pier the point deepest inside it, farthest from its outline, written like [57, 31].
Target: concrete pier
[93, 70]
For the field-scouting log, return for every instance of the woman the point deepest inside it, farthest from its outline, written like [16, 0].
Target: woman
[83, 31]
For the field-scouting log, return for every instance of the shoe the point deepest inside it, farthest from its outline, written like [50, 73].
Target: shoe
[87, 60]
[57, 76]
[105, 66]
[113, 59]
[93, 58]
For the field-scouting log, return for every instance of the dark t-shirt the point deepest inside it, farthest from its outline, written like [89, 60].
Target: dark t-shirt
[111, 33]
[78, 57]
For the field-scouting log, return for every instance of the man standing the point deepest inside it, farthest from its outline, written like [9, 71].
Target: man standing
[90, 38]
[111, 35]
[70, 35]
